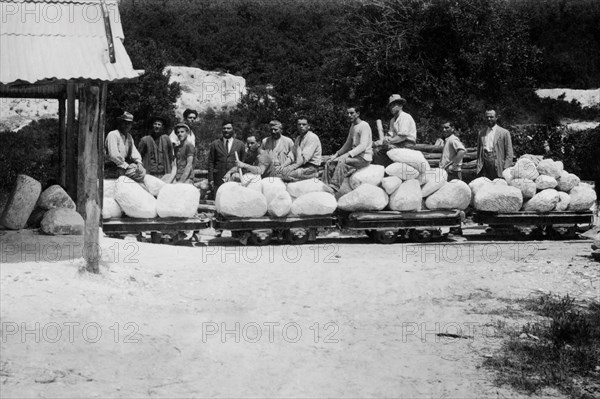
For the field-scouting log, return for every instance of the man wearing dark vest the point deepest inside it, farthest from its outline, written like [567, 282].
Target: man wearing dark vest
[157, 152]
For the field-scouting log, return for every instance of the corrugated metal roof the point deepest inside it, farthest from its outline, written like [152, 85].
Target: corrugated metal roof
[60, 40]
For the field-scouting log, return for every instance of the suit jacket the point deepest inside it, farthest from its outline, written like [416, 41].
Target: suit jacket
[502, 147]
[220, 161]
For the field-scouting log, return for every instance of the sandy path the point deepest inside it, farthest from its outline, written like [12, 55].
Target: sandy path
[163, 310]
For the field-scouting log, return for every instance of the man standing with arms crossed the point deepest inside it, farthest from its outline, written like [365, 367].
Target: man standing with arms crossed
[494, 148]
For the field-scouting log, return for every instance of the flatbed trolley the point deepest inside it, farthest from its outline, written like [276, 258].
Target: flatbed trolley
[528, 224]
[387, 227]
[119, 226]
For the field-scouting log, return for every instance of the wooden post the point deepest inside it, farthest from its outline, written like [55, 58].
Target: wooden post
[101, 137]
[62, 142]
[88, 203]
[70, 149]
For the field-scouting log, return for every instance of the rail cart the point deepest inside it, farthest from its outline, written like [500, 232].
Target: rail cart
[263, 230]
[115, 227]
[387, 227]
[531, 225]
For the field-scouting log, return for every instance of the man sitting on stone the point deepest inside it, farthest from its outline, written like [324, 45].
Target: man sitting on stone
[157, 152]
[184, 155]
[259, 162]
[278, 147]
[306, 153]
[401, 134]
[122, 158]
[356, 153]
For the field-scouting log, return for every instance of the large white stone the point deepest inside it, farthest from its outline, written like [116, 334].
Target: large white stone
[271, 186]
[21, 202]
[62, 221]
[372, 174]
[544, 182]
[390, 184]
[544, 201]
[455, 194]
[414, 158]
[281, 205]
[234, 200]
[533, 158]
[500, 181]
[111, 209]
[178, 200]
[567, 181]
[434, 180]
[55, 197]
[153, 184]
[476, 184]
[563, 201]
[365, 197]
[134, 200]
[299, 188]
[497, 198]
[402, 170]
[525, 169]
[407, 197]
[582, 198]
[314, 204]
[528, 187]
[507, 174]
[109, 187]
[548, 167]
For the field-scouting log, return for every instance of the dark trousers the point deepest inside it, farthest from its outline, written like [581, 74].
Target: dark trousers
[454, 175]
[380, 153]
[489, 166]
[336, 171]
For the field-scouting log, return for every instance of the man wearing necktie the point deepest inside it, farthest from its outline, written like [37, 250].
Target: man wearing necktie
[494, 148]
[222, 156]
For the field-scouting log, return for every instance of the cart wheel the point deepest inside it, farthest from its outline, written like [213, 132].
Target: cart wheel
[420, 236]
[386, 236]
[261, 237]
[402, 235]
[156, 237]
[297, 236]
[562, 232]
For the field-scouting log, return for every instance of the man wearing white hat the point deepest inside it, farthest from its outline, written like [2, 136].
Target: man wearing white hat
[401, 134]
[122, 158]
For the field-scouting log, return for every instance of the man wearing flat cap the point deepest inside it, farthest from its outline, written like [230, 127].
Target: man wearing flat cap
[278, 147]
[122, 158]
[184, 155]
[402, 132]
[157, 151]
[190, 116]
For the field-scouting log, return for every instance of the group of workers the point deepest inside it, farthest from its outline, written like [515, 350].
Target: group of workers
[171, 157]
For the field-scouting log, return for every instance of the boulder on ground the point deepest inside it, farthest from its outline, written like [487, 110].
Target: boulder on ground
[497, 198]
[525, 169]
[583, 197]
[434, 180]
[455, 194]
[402, 170]
[111, 209]
[544, 182]
[407, 197]
[528, 187]
[281, 205]
[21, 202]
[507, 174]
[55, 197]
[271, 186]
[299, 188]
[62, 221]
[134, 200]
[178, 200]
[563, 201]
[365, 197]
[567, 181]
[234, 200]
[153, 184]
[371, 174]
[548, 167]
[36, 218]
[414, 158]
[476, 184]
[314, 204]
[544, 201]
[391, 183]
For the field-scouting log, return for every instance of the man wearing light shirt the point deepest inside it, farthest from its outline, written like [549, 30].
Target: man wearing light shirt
[190, 117]
[494, 148]
[278, 147]
[401, 134]
[356, 153]
[306, 153]
[122, 158]
[222, 155]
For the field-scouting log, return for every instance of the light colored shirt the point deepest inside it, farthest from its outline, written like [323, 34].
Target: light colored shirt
[359, 142]
[120, 149]
[489, 139]
[175, 140]
[227, 143]
[451, 148]
[278, 150]
[403, 126]
[307, 149]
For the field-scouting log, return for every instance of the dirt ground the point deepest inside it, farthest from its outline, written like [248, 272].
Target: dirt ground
[340, 318]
